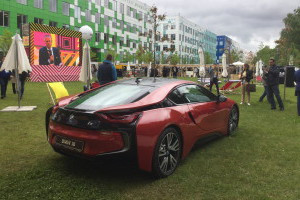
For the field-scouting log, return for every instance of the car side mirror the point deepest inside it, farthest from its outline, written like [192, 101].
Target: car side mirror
[221, 98]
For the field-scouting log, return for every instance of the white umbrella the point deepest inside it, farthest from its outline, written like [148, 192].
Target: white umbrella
[238, 63]
[17, 60]
[86, 72]
[202, 62]
[260, 65]
[16, 57]
[149, 70]
[224, 73]
[256, 69]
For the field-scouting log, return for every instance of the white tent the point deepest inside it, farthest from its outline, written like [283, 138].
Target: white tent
[224, 73]
[86, 72]
[238, 63]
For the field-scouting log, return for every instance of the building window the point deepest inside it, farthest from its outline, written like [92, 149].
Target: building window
[128, 11]
[53, 5]
[106, 20]
[52, 23]
[98, 37]
[128, 27]
[134, 28]
[22, 2]
[140, 16]
[4, 18]
[66, 9]
[115, 7]
[121, 8]
[158, 48]
[145, 17]
[173, 37]
[105, 38]
[97, 18]
[145, 45]
[114, 39]
[114, 23]
[98, 2]
[38, 3]
[173, 26]
[77, 12]
[134, 45]
[121, 25]
[121, 42]
[128, 43]
[172, 47]
[88, 17]
[150, 46]
[21, 19]
[38, 20]
[106, 3]
[134, 13]
[165, 48]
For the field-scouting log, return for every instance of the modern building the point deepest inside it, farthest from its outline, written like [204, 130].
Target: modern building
[227, 45]
[117, 24]
[178, 34]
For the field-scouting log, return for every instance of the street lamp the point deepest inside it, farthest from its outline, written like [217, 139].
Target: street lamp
[87, 33]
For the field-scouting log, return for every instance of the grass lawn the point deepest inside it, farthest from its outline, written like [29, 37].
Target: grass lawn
[261, 161]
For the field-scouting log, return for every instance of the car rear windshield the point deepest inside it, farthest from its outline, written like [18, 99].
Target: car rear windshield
[110, 95]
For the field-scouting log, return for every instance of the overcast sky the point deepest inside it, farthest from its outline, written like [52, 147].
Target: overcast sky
[248, 22]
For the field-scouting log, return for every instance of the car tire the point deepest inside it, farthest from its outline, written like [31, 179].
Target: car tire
[233, 120]
[167, 153]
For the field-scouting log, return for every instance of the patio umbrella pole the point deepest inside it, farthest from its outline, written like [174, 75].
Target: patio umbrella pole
[17, 73]
[88, 67]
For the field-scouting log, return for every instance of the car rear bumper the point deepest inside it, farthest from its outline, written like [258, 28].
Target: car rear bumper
[88, 143]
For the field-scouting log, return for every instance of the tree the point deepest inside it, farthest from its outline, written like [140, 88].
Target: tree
[264, 54]
[235, 56]
[5, 41]
[207, 58]
[128, 57]
[112, 52]
[174, 59]
[155, 19]
[140, 54]
[291, 32]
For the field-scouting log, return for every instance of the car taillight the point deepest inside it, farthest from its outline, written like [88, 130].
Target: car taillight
[120, 118]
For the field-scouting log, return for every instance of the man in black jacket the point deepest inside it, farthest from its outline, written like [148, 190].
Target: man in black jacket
[107, 71]
[272, 82]
[48, 54]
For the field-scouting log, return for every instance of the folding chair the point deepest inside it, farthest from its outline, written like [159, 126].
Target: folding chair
[58, 89]
[225, 87]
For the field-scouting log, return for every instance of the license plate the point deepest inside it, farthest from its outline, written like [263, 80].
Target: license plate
[71, 144]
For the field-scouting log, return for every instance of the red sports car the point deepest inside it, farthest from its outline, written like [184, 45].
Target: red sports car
[158, 119]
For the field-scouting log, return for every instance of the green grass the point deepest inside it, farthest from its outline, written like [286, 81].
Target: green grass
[261, 161]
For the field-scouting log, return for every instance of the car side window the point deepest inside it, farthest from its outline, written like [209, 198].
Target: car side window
[194, 94]
[176, 97]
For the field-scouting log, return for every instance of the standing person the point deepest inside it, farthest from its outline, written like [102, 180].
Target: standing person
[246, 76]
[22, 78]
[297, 91]
[107, 71]
[48, 54]
[213, 75]
[175, 71]
[272, 81]
[264, 78]
[4, 78]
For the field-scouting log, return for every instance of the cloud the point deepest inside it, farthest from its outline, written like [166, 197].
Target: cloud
[248, 22]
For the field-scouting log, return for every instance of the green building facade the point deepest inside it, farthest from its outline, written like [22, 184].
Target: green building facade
[119, 26]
